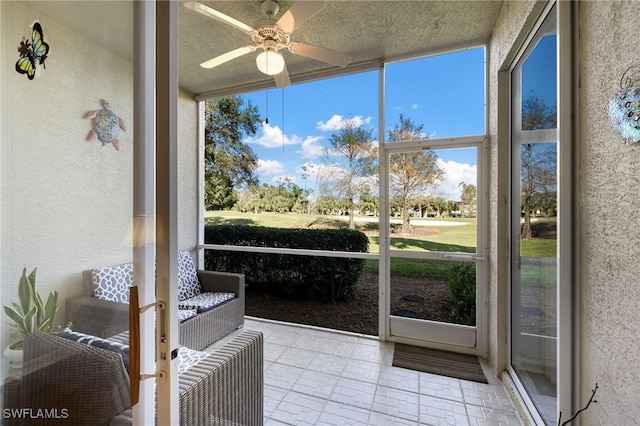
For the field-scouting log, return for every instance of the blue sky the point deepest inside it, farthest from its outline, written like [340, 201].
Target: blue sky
[443, 93]
[539, 72]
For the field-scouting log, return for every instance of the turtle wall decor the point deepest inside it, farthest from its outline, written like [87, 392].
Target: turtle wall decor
[624, 107]
[106, 125]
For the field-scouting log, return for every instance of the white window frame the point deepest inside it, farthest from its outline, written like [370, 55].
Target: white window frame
[567, 388]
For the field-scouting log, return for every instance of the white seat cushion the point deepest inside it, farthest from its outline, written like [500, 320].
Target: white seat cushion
[185, 314]
[205, 301]
[187, 358]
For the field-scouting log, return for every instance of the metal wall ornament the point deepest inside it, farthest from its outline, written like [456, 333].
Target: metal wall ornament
[624, 107]
[106, 125]
[33, 52]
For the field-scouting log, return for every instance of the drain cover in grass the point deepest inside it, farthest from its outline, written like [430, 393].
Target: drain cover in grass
[413, 298]
[407, 313]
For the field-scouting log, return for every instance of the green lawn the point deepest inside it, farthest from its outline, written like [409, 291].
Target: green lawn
[544, 242]
[276, 220]
[538, 248]
[461, 238]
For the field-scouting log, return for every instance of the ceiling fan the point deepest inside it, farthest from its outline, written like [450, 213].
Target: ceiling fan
[270, 36]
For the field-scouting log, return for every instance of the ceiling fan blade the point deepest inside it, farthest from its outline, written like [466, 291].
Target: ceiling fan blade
[219, 16]
[298, 14]
[214, 62]
[320, 53]
[282, 79]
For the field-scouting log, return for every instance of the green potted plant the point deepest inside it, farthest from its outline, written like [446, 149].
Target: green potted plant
[29, 314]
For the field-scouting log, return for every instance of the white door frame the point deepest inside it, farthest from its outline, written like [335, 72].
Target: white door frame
[455, 337]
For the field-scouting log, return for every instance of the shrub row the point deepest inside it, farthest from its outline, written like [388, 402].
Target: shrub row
[462, 282]
[324, 278]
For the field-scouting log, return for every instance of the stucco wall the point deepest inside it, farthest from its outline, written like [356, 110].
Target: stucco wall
[67, 203]
[609, 231]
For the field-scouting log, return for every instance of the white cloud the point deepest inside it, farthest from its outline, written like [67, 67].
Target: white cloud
[311, 148]
[311, 170]
[319, 171]
[454, 173]
[272, 137]
[310, 173]
[270, 167]
[331, 172]
[337, 122]
[415, 106]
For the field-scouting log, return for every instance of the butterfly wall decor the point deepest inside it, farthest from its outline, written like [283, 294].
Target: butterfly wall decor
[32, 52]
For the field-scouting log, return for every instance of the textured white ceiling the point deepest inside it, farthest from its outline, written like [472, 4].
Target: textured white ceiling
[366, 30]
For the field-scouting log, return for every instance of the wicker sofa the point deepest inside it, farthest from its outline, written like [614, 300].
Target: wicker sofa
[108, 316]
[80, 384]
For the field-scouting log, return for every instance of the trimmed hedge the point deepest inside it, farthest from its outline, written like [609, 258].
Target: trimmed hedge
[324, 278]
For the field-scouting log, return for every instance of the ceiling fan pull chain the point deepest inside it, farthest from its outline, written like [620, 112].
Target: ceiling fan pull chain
[266, 121]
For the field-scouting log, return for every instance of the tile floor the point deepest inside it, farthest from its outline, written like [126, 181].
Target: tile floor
[321, 377]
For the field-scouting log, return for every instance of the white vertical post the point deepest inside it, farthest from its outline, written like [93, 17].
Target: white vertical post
[567, 364]
[201, 207]
[144, 197]
[166, 210]
[383, 219]
[482, 216]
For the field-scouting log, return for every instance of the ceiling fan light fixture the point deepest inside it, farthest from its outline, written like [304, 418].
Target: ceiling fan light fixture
[270, 62]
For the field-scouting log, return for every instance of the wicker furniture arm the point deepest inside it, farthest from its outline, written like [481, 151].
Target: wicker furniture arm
[226, 388]
[90, 315]
[213, 281]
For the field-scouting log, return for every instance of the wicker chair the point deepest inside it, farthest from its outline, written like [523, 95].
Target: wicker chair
[102, 318]
[82, 384]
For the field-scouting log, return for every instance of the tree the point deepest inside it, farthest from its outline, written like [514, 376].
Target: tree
[229, 163]
[283, 198]
[536, 114]
[369, 203]
[308, 202]
[247, 199]
[437, 204]
[537, 160]
[411, 174]
[451, 206]
[468, 197]
[354, 143]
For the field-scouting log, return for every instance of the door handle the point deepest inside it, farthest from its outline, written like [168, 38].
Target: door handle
[467, 257]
